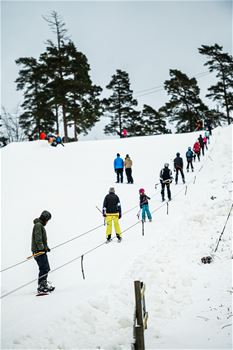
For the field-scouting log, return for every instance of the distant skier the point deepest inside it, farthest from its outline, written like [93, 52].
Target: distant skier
[112, 212]
[124, 133]
[197, 150]
[165, 180]
[144, 205]
[118, 167]
[178, 167]
[189, 157]
[205, 142]
[42, 135]
[207, 135]
[39, 244]
[128, 168]
[200, 139]
[59, 140]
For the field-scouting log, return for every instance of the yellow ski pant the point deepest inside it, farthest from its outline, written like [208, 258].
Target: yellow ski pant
[112, 218]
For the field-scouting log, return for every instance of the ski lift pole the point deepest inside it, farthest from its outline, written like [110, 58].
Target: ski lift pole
[102, 214]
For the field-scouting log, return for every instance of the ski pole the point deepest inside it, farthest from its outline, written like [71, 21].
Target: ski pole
[34, 255]
[138, 214]
[101, 213]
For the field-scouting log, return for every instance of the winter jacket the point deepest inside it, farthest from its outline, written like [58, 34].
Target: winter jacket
[112, 204]
[128, 163]
[42, 136]
[118, 163]
[165, 174]
[204, 140]
[196, 147]
[39, 237]
[189, 154]
[143, 199]
[207, 134]
[178, 163]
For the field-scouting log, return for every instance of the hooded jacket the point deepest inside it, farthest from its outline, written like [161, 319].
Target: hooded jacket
[128, 163]
[39, 237]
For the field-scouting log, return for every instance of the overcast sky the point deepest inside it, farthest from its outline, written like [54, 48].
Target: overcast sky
[145, 39]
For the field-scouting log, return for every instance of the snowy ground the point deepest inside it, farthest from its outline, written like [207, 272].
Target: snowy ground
[189, 303]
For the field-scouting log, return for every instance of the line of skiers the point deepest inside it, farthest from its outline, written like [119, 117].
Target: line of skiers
[112, 207]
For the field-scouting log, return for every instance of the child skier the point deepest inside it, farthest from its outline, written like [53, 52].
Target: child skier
[144, 205]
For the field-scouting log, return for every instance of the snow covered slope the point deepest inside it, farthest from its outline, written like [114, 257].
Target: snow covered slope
[189, 303]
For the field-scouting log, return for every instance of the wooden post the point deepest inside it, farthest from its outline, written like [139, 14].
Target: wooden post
[139, 328]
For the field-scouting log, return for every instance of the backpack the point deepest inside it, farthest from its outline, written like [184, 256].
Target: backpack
[189, 153]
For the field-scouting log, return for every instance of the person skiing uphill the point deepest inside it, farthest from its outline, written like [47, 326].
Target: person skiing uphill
[178, 167]
[118, 167]
[144, 205]
[39, 245]
[197, 149]
[165, 180]
[112, 212]
[189, 157]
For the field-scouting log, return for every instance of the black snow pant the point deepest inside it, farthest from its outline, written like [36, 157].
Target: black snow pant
[119, 175]
[128, 172]
[202, 149]
[44, 268]
[198, 156]
[190, 161]
[177, 172]
[168, 190]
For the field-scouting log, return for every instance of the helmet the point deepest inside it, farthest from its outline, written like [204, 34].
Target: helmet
[189, 148]
[45, 216]
[141, 190]
[177, 154]
[166, 165]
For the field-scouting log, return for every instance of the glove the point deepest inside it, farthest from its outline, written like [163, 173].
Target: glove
[119, 215]
[104, 215]
[47, 250]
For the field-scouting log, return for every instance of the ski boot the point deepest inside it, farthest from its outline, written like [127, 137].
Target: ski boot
[119, 238]
[108, 239]
[45, 287]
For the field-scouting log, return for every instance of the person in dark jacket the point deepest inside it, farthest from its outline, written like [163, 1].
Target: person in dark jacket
[178, 167]
[112, 212]
[165, 180]
[201, 142]
[189, 157]
[39, 247]
[118, 167]
[144, 205]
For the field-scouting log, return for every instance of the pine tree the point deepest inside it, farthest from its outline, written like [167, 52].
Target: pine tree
[120, 105]
[185, 106]
[37, 116]
[153, 122]
[222, 64]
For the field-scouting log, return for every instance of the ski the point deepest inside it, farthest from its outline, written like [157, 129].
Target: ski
[41, 294]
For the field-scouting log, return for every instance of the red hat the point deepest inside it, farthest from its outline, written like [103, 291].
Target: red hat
[141, 190]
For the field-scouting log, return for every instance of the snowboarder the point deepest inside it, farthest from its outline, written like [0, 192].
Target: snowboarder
[128, 168]
[189, 157]
[178, 166]
[165, 180]
[39, 245]
[197, 149]
[112, 212]
[144, 205]
[118, 167]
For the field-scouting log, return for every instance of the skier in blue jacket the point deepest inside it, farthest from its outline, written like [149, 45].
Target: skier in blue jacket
[119, 167]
